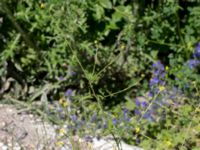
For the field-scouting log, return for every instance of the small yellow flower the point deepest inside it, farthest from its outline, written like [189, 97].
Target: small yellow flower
[42, 5]
[142, 75]
[168, 143]
[189, 46]
[137, 130]
[166, 68]
[161, 88]
[65, 104]
[197, 110]
[61, 100]
[62, 131]
[59, 143]
[122, 46]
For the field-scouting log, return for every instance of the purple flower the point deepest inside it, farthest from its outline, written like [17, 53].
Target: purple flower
[162, 74]
[137, 112]
[150, 94]
[88, 139]
[158, 66]
[159, 102]
[162, 83]
[69, 93]
[197, 51]
[60, 110]
[144, 104]
[61, 78]
[71, 71]
[125, 111]
[137, 140]
[157, 73]
[114, 121]
[105, 126]
[156, 90]
[193, 63]
[172, 97]
[93, 118]
[148, 116]
[154, 81]
[155, 106]
[127, 118]
[73, 118]
[137, 102]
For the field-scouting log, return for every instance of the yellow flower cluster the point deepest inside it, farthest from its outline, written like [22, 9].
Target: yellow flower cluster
[63, 102]
[42, 5]
[137, 130]
[122, 46]
[59, 143]
[161, 88]
[168, 143]
[62, 131]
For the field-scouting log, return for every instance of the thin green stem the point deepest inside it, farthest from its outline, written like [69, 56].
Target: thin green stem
[91, 87]
[123, 90]
[105, 67]
[148, 107]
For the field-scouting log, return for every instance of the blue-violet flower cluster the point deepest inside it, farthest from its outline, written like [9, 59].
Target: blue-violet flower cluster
[195, 60]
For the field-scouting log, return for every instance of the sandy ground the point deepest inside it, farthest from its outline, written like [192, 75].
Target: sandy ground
[24, 129]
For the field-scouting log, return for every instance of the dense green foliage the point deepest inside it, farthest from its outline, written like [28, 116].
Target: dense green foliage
[98, 55]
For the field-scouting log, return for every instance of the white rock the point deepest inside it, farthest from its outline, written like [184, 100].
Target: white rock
[1, 144]
[17, 148]
[111, 145]
[4, 147]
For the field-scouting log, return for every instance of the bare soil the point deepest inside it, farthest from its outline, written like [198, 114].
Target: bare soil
[25, 129]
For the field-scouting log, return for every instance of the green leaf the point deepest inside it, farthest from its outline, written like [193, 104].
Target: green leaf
[117, 16]
[112, 25]
[106, 3]
[154, 54]
[99, 12]
[124, 10]
[130, 104]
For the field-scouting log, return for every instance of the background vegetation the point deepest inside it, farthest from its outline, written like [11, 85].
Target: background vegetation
[129, 68]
